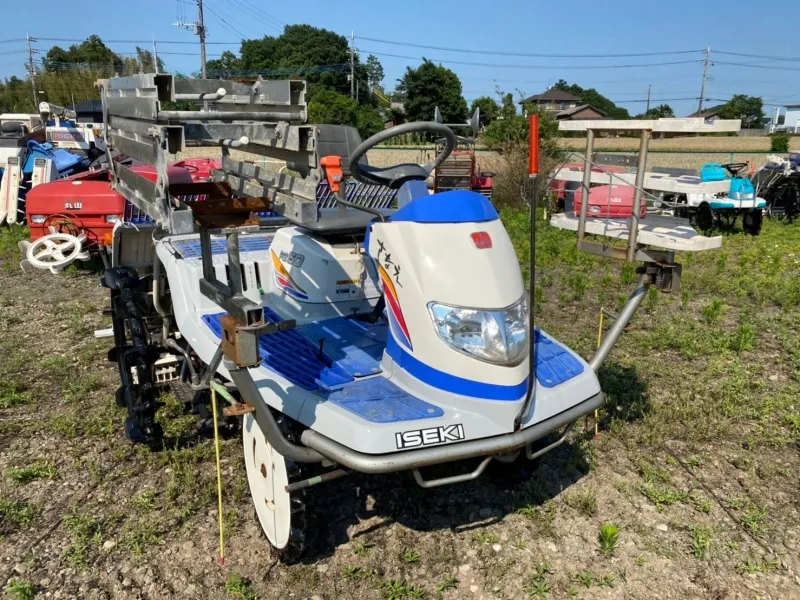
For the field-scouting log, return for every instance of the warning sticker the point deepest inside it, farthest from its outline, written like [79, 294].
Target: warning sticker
[348, 289]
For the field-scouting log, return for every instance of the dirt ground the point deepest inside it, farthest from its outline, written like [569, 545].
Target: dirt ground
[696, 464]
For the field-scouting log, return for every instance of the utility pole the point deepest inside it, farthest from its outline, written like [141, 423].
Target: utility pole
[352, 65]
[199, 29]
[32, 71]
[649, 86]
[705, 76]
[155, 55]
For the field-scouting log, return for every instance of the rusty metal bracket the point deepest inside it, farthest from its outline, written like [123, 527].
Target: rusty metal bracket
[238, 410]
[240, 343]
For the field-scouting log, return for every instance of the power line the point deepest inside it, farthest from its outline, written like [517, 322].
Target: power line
[526, 54]
[182, 42]
[755, 65]
[258, 14]
[495, 65]
[225, 24]
[786, 58]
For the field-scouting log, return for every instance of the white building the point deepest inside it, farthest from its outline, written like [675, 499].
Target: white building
[792, 120]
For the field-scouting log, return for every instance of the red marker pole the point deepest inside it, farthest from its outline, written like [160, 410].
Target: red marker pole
[533, 146]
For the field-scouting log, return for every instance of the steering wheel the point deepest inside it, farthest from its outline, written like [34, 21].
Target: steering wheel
[394, 177]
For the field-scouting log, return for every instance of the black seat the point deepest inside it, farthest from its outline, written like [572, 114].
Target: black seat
[347, 221]
[340, 140]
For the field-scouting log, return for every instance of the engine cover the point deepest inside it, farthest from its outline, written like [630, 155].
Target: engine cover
[314, 279]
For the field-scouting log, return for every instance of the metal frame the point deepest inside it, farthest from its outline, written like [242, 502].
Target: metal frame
[647, 128]
[266, 118]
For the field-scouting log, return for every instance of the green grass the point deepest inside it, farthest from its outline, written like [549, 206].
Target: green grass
[701, 541]
[584, 501]
[22, 590]
[13, 392]
[239, 588]
[607, 539]
[481, 537]
[41, 469]
[537, 585]
[410, 556]
[140, 536]
[397, 589]
[16, 514]
[445, 585]
[86, 534]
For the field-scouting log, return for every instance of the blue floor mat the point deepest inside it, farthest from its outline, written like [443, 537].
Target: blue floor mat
[354, 346]
[378, 400]
[292, 355]
[554, 363]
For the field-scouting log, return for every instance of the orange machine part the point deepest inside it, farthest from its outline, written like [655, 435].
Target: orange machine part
[333, 171]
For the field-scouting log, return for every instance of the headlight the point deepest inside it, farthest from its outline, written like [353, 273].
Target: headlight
[495, 336]
[38, 219]
[112, 218]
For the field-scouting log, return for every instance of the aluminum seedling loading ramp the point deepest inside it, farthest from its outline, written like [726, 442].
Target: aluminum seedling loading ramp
[652, 242]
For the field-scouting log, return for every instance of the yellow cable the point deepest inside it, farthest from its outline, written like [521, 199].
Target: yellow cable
[219, 476]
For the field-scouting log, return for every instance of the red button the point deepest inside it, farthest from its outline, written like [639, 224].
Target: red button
[482, 240]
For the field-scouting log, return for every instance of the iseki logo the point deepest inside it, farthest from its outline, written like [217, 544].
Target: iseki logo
[430, 436]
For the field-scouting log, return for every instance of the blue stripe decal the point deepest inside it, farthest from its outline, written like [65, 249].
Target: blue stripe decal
[452, 383]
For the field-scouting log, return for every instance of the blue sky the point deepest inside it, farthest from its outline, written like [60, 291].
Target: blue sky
[580, 27]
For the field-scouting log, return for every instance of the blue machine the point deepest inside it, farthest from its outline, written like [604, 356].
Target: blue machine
[65, 162]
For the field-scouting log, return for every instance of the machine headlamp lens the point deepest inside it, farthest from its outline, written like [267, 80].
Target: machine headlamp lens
[112, 218]
[38, 219]
[495, 336]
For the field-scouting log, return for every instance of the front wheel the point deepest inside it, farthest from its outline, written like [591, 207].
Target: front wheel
[280, 513]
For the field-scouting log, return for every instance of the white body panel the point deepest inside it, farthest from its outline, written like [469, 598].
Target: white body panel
[9, 190]
[440, 263]
[44, 171]
[324, 280]
[695, 200]
[478, 418]
[656, 230]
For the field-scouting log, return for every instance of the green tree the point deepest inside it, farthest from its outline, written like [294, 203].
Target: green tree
[224, 66]
[662, 111]
[430, 85]
[331, 107]
[509, 135]
[374, 71]
[320, 56]
[145, 60]
[750, 109]
[595, 98]
[488, 107]
[91, 53]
